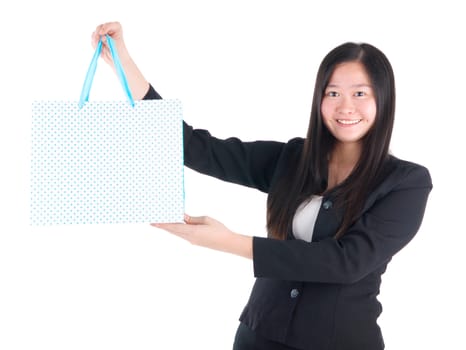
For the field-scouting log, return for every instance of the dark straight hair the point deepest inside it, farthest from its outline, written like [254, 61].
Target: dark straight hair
[308, 175]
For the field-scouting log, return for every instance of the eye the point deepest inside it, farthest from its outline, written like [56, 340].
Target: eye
[332, 94]
[360, 94]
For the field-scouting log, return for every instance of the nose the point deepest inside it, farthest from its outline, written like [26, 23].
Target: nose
[346, 106]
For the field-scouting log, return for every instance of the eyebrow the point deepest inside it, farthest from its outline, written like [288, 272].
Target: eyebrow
[355, 85]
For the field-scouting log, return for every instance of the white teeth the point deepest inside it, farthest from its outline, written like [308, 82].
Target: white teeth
[348, 122]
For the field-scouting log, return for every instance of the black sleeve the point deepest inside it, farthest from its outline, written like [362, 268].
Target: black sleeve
[250, 164]
[371, 242]
[151, 94]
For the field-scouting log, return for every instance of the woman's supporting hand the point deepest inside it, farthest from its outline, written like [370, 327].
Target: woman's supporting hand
[137, 83]
[210, 233]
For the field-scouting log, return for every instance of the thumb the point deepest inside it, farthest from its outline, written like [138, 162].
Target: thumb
[195, 220]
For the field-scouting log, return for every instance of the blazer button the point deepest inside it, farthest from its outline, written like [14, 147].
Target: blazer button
[294, 293]
[327, 205]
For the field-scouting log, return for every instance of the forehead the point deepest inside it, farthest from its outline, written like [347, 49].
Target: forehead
[349, 74]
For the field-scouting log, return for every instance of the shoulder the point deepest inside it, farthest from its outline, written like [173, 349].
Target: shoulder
[287, 158]
[291, 150]
[399, 173]
[404, 181]
[404, 168]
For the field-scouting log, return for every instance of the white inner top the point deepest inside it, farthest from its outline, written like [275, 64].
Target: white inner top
[305, 218]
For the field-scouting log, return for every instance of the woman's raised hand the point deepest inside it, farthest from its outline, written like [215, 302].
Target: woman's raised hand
[115, 31]
[137, 83]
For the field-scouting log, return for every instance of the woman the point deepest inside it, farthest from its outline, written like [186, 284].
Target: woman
[339, 206]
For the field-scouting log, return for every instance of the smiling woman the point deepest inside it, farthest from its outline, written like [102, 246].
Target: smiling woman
[348, 111]
[316, 287]
[349, 106]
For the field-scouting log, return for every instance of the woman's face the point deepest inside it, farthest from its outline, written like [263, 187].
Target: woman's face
[349, 106]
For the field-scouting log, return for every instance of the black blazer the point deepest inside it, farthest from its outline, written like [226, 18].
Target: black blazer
[320, 295]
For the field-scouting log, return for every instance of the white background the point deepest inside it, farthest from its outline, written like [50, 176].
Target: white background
[241, 68]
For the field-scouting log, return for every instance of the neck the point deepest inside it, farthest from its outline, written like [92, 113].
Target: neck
[343, 159]
[345, 154]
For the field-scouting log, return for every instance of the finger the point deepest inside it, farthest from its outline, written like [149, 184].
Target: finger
[110, 28]
[95, 39]
[196, 220]
[104, 29]
[106, 55]
[97, 29]
[173, 228]
[180, 230]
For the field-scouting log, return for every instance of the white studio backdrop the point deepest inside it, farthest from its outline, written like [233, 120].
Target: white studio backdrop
[241, 68]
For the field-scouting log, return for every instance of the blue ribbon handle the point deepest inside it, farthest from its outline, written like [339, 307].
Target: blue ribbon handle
[93, 66]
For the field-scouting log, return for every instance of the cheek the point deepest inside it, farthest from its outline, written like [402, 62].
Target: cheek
[371, 112]
[325, 110]
[368, 110]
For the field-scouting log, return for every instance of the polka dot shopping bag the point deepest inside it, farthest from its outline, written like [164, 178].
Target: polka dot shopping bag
[106, 162]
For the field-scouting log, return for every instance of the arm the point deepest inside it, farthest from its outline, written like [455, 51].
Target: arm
[137, 83]
[207, 232]
[381, 232]
[370, 243]
[249, 164]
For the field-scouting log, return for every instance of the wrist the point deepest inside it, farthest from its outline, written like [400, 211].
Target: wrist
[241, 245]
[123, 52]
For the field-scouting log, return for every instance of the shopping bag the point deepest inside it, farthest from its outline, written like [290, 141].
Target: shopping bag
[106, 162]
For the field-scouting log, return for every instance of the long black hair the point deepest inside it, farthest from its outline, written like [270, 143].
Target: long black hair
[310, 172]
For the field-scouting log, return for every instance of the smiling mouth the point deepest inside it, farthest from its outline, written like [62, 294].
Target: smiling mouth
[348, 122]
